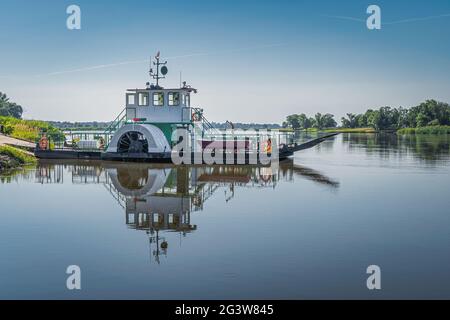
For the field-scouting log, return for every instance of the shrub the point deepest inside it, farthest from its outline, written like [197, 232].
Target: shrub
[29, 129]
[18, 155]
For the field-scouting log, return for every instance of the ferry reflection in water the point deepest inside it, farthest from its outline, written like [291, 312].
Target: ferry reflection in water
[159, 200]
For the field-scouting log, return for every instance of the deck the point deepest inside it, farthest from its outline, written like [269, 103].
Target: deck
[166, 157]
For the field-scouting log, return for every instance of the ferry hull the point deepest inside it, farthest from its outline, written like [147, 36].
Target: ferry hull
[148, 157]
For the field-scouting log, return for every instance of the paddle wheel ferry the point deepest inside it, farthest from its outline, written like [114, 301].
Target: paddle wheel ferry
[148, 129]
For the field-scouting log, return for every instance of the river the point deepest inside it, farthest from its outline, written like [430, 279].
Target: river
[306, 230]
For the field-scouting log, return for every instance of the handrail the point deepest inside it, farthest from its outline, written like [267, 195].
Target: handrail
[204, 121]
[112, 126]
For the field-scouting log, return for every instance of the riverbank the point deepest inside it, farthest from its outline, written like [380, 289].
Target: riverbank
[351, 130]
[332, 130]
[403, 131]
[426, 130]
[13, 158]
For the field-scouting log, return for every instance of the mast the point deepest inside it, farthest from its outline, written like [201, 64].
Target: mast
[160, 68]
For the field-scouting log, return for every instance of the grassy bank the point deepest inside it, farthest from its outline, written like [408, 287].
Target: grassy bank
[28, 129]
[340, 130]
[13, 158]
[426, 130]
[351, 130]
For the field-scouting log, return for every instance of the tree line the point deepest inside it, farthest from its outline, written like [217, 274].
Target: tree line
[302, 121]
[428, 113]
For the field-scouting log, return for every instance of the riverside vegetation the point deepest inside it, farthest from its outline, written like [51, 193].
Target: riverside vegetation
[13, 158]
[12, 125]
[28, 129]
[429, 117]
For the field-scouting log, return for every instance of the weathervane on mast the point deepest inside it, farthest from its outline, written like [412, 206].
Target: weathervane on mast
[160, 68]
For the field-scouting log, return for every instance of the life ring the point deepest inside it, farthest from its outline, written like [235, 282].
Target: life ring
[43, 143]
[195, 116]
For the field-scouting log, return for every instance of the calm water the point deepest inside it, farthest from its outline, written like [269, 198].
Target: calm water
[307, 230]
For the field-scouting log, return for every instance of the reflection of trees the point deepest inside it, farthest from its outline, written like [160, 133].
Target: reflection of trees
[428, 147]
[422, 147]
[16, 175]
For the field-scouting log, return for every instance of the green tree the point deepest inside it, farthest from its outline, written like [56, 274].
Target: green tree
[324, 121]
[402, 121]
[318, 121]
[305, 122]
[383, 118]
[422, 119]
[374, 120]
[329, 121]
[350, 122]
[9, 109]
[293, 121]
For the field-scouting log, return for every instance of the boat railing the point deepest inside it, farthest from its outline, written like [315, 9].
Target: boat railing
[102, 136]
[206, 125]
[252, 135]
[114, 126]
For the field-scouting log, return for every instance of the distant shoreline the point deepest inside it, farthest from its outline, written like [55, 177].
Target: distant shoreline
[432, 130]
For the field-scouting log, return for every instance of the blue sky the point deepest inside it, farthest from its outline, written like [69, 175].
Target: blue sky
[251, 60]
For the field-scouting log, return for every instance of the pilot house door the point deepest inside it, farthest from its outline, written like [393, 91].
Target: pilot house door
[131, 113]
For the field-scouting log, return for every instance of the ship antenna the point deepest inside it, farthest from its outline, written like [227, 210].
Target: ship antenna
[160, 67]
[150, 70]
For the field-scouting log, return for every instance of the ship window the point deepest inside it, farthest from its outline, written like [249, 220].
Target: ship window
[131, 99]
[158, 99]
[183, 99]
[174, 98]
[188, 103]
[143, 99]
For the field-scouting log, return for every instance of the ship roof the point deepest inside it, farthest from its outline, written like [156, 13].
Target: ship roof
[154, 88]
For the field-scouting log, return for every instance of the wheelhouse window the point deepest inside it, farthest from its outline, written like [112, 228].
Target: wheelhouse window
[188, 102]
[158, 99]
[183, 99]
[131, 99]
[143, 98]
[174, 98]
